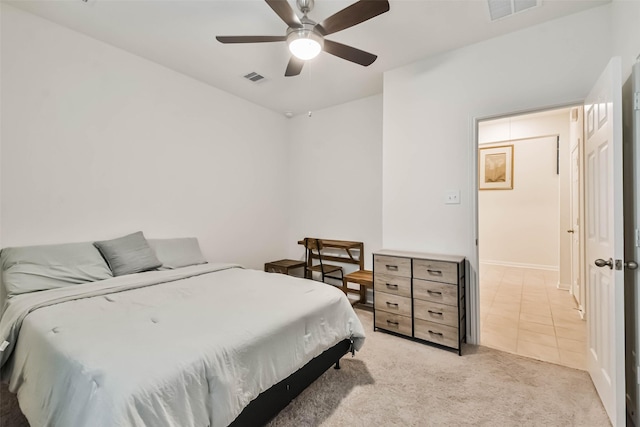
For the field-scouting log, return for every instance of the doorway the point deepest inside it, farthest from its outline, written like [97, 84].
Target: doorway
[527, 272]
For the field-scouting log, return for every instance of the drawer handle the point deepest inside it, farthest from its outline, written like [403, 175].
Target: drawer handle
[435, 333]
[392, 267]
[392, 286]
[391, 322]
[392, 304]
[438, 313]
[433, 292]
[435, 272]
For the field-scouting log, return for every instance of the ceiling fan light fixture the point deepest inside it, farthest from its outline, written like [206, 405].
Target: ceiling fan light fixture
[305, 37]
[304, 44]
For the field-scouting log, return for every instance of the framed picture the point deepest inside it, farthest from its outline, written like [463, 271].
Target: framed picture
[496, 168]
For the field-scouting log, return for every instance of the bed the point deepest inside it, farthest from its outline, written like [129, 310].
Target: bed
[199, 344]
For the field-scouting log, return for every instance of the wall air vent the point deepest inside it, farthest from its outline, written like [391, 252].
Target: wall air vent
[499, 9]
[254, 77]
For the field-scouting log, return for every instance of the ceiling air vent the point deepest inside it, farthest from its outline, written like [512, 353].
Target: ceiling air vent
[499, 9]
[254, 77]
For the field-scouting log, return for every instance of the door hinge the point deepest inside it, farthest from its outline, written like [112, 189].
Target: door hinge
[637, 238]
[636, 101]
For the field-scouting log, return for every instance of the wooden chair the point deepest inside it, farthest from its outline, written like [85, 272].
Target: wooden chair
[327, 271]
[364, 278]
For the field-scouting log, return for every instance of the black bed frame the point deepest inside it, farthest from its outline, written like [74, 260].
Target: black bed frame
[268, 403]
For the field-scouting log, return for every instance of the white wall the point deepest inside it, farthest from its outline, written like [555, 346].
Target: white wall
[534, 240]
[335, 176]
[97, 142]
[626, 33]
[429, 112]
[519, 227]
[1, 37]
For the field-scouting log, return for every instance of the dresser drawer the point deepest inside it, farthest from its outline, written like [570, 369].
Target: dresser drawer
[393, 322]
[438, 271]
[437, 333]
[396, 266]
[443, 293]
[392, 303]
[434, 312]
[392, 284]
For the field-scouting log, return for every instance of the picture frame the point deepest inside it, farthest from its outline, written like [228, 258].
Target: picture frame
[495, 169]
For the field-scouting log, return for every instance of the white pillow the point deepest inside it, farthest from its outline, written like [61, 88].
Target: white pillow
[176, 253]
[128, 254]
[37, 268]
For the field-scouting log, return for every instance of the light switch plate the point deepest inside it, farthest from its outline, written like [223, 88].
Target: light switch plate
[452, 197]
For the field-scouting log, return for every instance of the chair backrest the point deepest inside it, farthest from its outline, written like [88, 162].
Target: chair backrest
[313, 244]
[314, 247]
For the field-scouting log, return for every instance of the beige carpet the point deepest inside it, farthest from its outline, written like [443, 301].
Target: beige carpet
[397, 382]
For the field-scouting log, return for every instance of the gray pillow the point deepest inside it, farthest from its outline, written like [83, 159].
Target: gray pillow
[176, 253]
[129, 254]
[37, 268]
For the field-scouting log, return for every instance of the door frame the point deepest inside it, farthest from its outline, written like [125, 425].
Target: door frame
[631, 153]
[473, 317]
[581, 300]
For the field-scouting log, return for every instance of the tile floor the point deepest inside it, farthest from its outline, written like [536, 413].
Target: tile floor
[523, 312]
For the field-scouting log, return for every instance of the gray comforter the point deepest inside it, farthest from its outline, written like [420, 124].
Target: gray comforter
[185, 347]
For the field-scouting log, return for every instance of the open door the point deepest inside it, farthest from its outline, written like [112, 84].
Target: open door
[604, 240]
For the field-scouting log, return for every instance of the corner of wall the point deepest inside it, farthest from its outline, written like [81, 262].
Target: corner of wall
[625, 30]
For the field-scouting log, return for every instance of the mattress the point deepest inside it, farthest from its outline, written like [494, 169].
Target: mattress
[189, 347]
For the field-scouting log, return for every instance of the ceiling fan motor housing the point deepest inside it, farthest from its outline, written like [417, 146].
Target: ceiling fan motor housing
[305, 6]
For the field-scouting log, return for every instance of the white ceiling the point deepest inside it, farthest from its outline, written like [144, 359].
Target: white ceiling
[180, 34]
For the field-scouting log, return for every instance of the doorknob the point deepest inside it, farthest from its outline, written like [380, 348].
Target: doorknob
[601, 263]
[570, 231]
[631, 265]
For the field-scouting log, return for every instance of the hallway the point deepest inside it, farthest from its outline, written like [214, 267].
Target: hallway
[523, 312]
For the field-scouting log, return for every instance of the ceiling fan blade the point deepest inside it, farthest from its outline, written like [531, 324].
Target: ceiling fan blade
[250, 39]
[285, 12]
[349, 53]
[353, 15]
[294, 67]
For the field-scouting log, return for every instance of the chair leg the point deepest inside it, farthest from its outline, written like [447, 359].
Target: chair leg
[363, 294]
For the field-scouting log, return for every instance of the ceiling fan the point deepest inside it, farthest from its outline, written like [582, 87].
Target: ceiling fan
[306, 38]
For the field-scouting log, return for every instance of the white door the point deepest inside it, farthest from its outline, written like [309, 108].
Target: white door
[574, 209]
[604, 240]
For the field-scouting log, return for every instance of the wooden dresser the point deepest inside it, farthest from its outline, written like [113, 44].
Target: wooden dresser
[421, 296]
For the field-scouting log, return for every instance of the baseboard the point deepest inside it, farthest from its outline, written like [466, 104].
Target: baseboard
[520, 265]
[563, 286]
